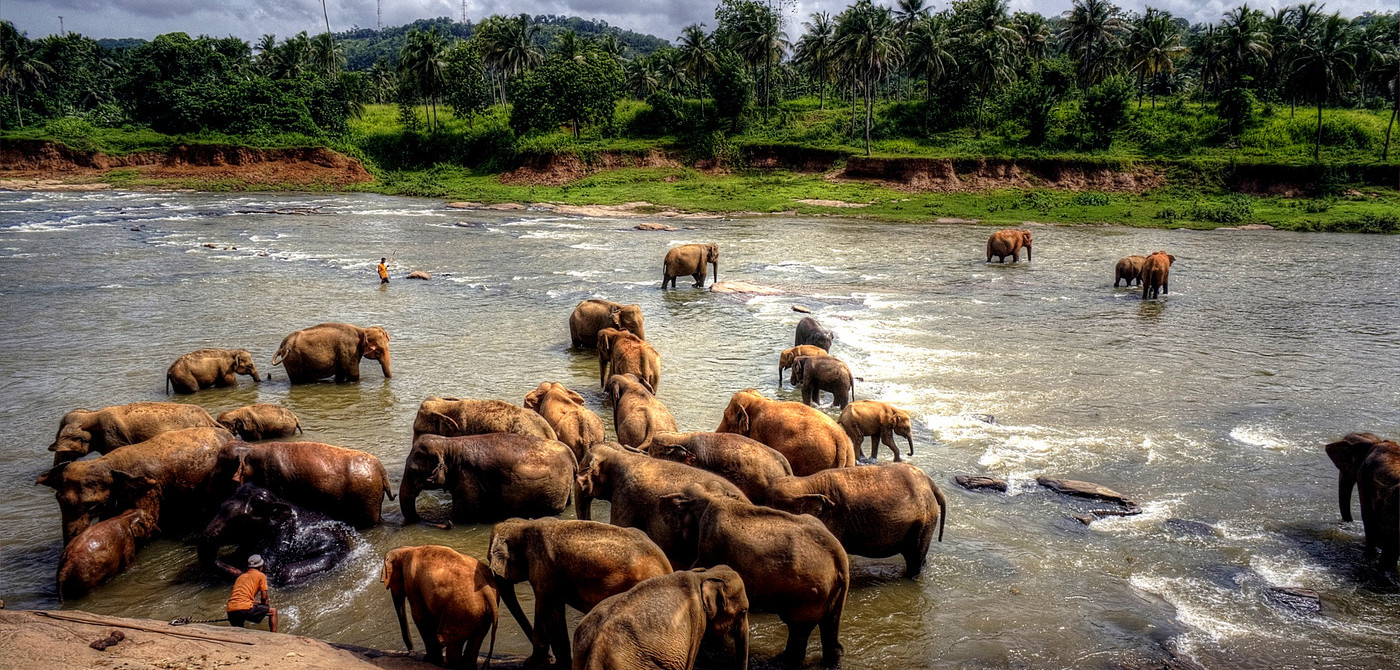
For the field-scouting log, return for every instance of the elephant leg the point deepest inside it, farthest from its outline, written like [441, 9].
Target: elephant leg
[559, 637]
[1164, 288]
[432, 647]
[699, 278]
[1016, 256]
[454, 653]
[916, 548]
[540, 636]
[888, 438]
[831, 643]
[796, 651]
[472, 650]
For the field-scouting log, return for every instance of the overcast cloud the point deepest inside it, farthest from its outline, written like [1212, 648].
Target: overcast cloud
[664, 18]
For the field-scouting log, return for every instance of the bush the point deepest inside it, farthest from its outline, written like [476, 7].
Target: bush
[1234, 209]
[665, 114]
[1091, 199]
[732, 88]
[1105, 110]
[1236, 109]
[1039, 201]
[73, 131]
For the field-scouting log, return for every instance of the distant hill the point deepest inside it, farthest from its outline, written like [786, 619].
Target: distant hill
[120, 44]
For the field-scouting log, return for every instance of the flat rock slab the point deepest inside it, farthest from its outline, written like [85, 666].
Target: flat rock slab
[653, 226]
[743, 287]
[801, 310]
[1299, 600]
[980, 482]
[464, 205]
[419, 274]
[1078, 489]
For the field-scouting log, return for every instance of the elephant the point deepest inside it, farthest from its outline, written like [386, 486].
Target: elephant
[453, 598]
[82, 431]
[622, 353]
[814, 374]
[1155, 269]
[637, 413]
[805, 436]
[332, 350]
[880, 421]
[1005, 243]
[208, 368]
[103, 551]
[791, 564]
[635, 483]
[181, 463]
[451, 417]
[811, 333]
[572, 422]
[661, 622]
[786, 358]
[1372, 466]
[260, 422]
[748, 464]
[490, 477]
[574, 563]
[346, 484]
[296, 543]
[690, 259]
[591, 316]
[1128, 270]
[876, 511]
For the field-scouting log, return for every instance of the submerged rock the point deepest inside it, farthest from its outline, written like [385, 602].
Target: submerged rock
[801, 310]
[1185, 528]
[652, 226]
[419, 274]
[979, 482]
[464, 205]
[743, 287]
[1299, 600]
[1089, 490]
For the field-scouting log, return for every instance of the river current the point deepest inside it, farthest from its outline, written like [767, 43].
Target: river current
[1210, 405]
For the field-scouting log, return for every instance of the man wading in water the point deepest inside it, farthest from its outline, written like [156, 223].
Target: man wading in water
[249, 585]
[383, 272]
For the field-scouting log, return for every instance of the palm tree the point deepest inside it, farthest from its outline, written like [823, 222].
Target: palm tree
[1153, 46]
[697, 55]
[758, 38]
[868, 40]
[815, 52]
[1208, 54]
[267, 54]
[20, 69]
[1035, 34]
[1092, 31]
[510, 46]
[908, 13]
[1244, 41]
[930, 54]
[421, 61]
[987, 38]
[294, 57]
[670, 69]
[567, 45]
[1328, 62]
[328, 56]
[642, 77]
[381, 79]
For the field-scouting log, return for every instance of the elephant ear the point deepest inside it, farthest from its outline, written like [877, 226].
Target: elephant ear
[1170, 259]
[532, 400]
[647, 385]
[812, 503]
[615, 314]
[1348, 452]
[54, 477]
[498, 558]
[604, 345]
[574, 396]
[712, 596]
[390, 569]
[238, 476]
[743, 422]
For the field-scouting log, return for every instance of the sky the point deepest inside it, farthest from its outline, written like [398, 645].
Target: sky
[249, 19]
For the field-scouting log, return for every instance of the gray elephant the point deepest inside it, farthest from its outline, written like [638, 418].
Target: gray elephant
[661, 622]
[208, 368]
[815, 374]
[748, 464]
[1372, 466]
[332, 350]
[637, 413]
[573, 563]
[622, 353]
[82, 431]
[880, 421]
[787, 356]
[490, 477]
[690, 259]
[591, 316]
[453, 417]
[812, 333]
[876, 511]
[260, 422]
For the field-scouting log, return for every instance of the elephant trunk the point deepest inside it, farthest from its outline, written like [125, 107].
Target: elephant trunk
[716, 280]
[403, 620]
[384, 364]
[908, 435]
[583, 504]
[408, 501]
[780, 375]
[507, 592]
[253, 372]
[1346, 480]
[1028, 253]
[741, 642]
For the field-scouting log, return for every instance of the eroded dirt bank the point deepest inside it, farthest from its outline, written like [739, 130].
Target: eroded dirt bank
[37, 161]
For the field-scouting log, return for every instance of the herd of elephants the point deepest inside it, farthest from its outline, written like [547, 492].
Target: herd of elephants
[763, 512]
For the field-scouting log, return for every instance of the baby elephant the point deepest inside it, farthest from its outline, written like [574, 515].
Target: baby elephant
[102, 552]
[453, 598]
[621, 353]
[260, 422]
[880, 421]
[661, 622]
[812, 333]
[208, 368]
[637, 413]
[1128, 270]
[786, 358]
[814, 374]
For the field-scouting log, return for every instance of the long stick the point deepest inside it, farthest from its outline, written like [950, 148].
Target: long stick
[90, 622]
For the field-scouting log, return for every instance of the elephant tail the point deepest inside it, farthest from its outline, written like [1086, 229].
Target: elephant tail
[299, 430]
[495, 623]
[384, 477]
[942, 510]
[167, 383]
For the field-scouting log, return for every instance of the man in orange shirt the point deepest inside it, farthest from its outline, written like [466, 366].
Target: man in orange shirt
[249, 585]
[383, 272]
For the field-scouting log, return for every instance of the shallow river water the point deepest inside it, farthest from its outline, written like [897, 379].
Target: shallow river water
[1211, 405]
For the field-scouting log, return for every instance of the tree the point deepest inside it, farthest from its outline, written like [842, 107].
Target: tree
[909, 13]
[1091, 33]
[1328, 61]
[868, 40]
[20, 70]
[816, 52]
[930, 52]
[641, 77]
[565, 90]
[732, 89]
[510, 46]
[421, 64]
[382, 81]
[696, 54]
[465, 87]
[328, 56]
[986, 38]
[755, 32]
[1035, 34]
[1154, 43]
[1244, 42]
[568, 45]
[1105, 110]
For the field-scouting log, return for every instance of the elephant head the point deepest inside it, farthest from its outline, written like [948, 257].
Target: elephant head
[1347, 454]
[139, 493]
[83, 490]
[74, 438]
[374, 345]
[726, 606]
[595, 470]
[712, 256]
[509, 561]
[898, 420]
[737, 414]
[628, 318]
[798, 376]
[619, 384]
[243, 365]
[251, 516]
[1026, 242]
[534, 400]
[425, 469]
[671, 447]
[435, 417]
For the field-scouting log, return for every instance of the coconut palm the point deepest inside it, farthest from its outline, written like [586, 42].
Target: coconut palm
[20, 69]
[642, 77]
[267, 54]
[930, 52]
[1154, 44]
[815, 52]
[328, 56]
[868, 40]
[609, 44]
[1092, 32]
[696, 54]
[1328, 61]
[757, 36]
[1035, 34]
[510, 46]
[1244, 41]
[567, 45]
[421, 60]
[1208, 55]
[381, 79]
[987, 40]
[908, 13]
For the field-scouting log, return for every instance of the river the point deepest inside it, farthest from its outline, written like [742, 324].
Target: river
[1211, 405]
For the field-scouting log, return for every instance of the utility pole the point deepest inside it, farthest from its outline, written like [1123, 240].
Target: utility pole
[464, 12]
[379, 15]
[61, 32]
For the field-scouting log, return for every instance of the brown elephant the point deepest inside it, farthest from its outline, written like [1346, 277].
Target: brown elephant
[661, 622]
[690, 259]
[102, 551]
[260, 422]
[748, 464]
[181, 463]
[1372, 466]
[811, 333]
[332, 350]
[573, 563]
[208, 368]
[637, 413]
[880, 421]
[490, 477]
[622, 353]
[452, 417]
[786, 358]
[876, 511]
[591, 316]
[1128, 270]
[1155, 269]
[344, 484]
[815, 374]
[82, 431]
[564, 411]
[1005, 243]
[635, 483]
[791, 564]
[453, 598]
[805, 436]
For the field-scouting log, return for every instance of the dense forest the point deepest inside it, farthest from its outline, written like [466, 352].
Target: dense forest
[1080, 81]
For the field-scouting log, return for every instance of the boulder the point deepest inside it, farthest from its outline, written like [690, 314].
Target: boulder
[1294, 599]
[419, 274]
[652, 226]
[979, 482]
[464, 205]
[801, 310]
[743, 287]
[1088, 490]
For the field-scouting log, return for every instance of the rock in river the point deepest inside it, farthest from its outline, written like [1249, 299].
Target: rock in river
[976, 482]
[419, 274]
[743, 287]
[1302, 601]
[1080, 489]
[653, 226]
